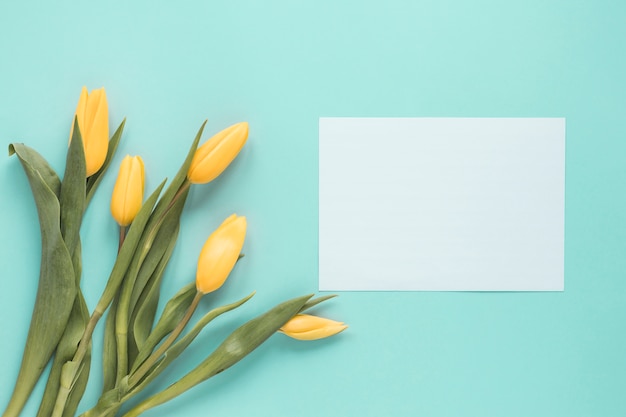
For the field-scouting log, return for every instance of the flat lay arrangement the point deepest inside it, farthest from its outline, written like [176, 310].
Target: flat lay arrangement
[138, 343]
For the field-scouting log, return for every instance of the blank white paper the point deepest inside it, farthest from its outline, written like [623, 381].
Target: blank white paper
[441, 204]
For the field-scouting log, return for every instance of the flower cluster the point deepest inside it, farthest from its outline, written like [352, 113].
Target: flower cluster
[138, 345]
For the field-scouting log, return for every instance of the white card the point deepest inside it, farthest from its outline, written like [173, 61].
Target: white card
[441, 204]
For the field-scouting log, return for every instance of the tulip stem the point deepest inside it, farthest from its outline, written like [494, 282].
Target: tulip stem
[183, 187]
[59, 406]
[123, 230]
[145, 367]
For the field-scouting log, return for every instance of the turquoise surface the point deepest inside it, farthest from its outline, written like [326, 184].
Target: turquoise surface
[281, 65]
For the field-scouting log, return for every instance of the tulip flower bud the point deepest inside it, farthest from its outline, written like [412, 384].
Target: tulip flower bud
[92, 113]
[220, 253]
[307, 327]
[212, 158]
[128, 191]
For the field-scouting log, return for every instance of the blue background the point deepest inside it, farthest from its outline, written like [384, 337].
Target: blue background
[281, 65]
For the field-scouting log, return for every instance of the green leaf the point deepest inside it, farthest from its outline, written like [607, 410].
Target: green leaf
[236, 346]
[146, 291]
[172, 314]
[39, 164]
[109, 349]
[177, 348]
[76, 327]
[56, 291]
[312, 303]
[94, 180]
[73, 332]
[180, 178]
[72, 206]
[142, 319]
[67, 345]
[164, 240]
[72, 198]
[108, 404]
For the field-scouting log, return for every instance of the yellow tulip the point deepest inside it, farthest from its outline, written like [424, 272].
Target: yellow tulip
[307, 327]
[212, 158]
[128, 191]
[220, 253]
[92, 113]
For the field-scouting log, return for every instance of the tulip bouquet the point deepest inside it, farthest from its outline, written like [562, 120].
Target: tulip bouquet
[138, 345]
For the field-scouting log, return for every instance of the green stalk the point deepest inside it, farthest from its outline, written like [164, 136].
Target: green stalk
[122, 317]
[145, 367]
[122, 237]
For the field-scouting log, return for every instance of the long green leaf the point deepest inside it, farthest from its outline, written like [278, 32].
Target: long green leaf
[164, 240]
[67, 345]
[56, 291]
[72, 201]
[177, 348]
[76, 326]
[236, 346]
[180, 178]
[315, 301]
[142, 319]
[39, 164]
[108, 404]
[72, 198]
[146, 292]
[109, 349]
[172, 314]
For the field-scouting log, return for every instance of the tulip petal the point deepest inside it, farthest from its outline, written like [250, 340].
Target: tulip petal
[92, 114]
[127, 195]
[91, 109]
[94, 180]
[143, 174]
[80, 111]
[316, 334]
[306, 322]
[98, 131]
[134, 197]
[214, 156]
[220, 253]
[307, 327]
